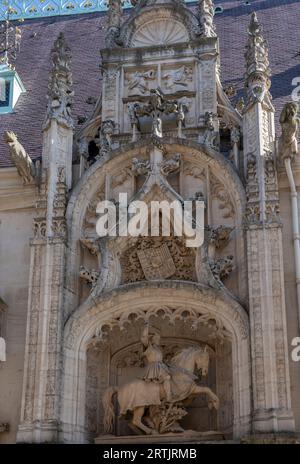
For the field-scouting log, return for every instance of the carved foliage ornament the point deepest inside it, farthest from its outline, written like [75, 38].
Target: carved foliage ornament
[219, 192]
[144, 260]
[185, 314]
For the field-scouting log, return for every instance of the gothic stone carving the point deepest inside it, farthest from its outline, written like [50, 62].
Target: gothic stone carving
[221, 268]
[219, 236]
[161, 390]
[59, 223]
[89, 276]
[170, 166]
[19, 157]
[139, 82]
[90, 245]
[178, 78]
[219, 192]
[140, 167]
[157, 263]
[156, 107]
[115, 11]
[105, 137]
[206, 13]
[60, 91]
[257, 66]
[211, 136]
[288, 143]
[183, 260]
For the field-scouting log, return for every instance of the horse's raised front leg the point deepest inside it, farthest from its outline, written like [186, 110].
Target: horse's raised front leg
[213, 400]
[137, 420]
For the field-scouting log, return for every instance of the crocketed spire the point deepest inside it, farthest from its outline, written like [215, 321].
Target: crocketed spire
[60, 91]
[257, 76]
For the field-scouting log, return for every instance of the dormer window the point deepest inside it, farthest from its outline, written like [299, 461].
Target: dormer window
[11, 88]
[4, 92]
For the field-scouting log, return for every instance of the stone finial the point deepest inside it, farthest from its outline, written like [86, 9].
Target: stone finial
[60, 91]
[257, 76]
[288, 143]
[206, 17]
[20, 158]
[114, 18]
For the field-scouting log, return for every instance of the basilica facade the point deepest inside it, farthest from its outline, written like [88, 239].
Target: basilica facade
[83, 315]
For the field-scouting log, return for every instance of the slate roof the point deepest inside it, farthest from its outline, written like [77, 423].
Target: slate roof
[85, 35]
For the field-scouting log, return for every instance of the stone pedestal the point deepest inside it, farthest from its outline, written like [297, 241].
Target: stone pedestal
[189, 436]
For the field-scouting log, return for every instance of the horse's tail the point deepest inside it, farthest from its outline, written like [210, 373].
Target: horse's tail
[109, 412]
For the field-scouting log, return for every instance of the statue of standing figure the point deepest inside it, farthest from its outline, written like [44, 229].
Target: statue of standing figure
[288, 143]
[156, 402]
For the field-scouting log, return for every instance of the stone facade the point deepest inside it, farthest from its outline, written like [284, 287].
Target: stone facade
[157, 133]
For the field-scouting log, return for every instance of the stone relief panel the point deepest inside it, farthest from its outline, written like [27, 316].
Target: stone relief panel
[158, 258]
[194, 180]
[221, 198]
[177, 78]
[208, 87]
[140, 81]
[173, 81]
[110, 99]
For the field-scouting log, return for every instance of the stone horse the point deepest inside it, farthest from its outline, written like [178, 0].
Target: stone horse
[138, 395]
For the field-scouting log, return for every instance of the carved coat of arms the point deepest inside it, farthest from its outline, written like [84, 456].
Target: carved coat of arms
[157, 263]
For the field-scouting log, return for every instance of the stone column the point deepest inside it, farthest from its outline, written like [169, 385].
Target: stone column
[270, 370]
[43, 358]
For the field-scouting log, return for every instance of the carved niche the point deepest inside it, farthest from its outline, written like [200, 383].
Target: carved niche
[120, 360]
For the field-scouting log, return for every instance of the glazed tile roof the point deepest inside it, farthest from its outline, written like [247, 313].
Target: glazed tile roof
[85, 35]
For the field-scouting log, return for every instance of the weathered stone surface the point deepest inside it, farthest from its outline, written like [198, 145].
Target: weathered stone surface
[158, 133]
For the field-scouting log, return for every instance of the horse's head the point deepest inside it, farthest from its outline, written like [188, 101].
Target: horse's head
[202, 360]
[192, 358]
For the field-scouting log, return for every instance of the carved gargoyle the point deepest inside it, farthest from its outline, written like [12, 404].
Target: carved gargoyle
[222, 267]
[219, 236]
[105, 137]
[211, 136]
[288, 144]
[140, 167]
[20, 158]
[170, 166]
[89, 276]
